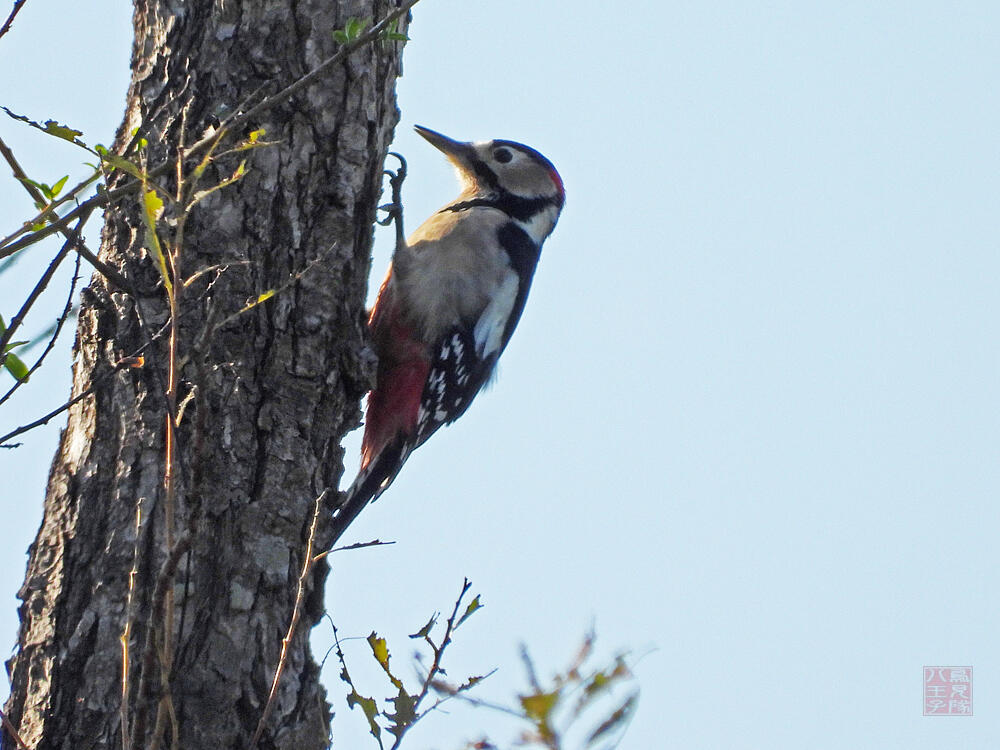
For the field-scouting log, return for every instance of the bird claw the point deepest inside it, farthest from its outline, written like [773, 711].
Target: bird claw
[394, 210]
[391, 210]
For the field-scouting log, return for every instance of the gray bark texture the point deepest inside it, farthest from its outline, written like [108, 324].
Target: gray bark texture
[267, 397]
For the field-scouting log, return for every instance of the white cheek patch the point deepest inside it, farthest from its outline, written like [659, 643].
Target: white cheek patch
[492, 323]
[541, 224]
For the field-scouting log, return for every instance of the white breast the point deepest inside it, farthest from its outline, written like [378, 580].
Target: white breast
[453, 269]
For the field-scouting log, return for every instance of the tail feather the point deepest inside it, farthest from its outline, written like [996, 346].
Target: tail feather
[373, 479]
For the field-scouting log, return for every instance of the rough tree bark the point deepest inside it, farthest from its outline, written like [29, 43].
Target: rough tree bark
[274, 391]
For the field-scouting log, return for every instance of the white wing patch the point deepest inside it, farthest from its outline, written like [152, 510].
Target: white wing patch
[488, 333]
[451, 384]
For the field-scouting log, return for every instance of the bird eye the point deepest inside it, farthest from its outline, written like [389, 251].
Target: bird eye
[502, 155]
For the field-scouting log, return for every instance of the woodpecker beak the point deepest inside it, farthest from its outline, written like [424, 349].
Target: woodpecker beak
[456, 151]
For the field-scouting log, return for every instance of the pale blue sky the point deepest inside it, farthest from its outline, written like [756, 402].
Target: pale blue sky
[748, 425]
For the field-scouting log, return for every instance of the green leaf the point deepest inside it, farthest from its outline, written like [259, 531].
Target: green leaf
[354, 26]
[379, 649]
[152, 206]
[263, 297]
[426, 629]
[352, 30]
[381, 653]
[57, 188]
[406, 712]
[119, 162]
[255, 139]
[61, 131]
[393, 34]
[473, 606]
[370, 710]
[15, 367]
[596, 683]
[51, 127]
[28, 181]
[539, 705]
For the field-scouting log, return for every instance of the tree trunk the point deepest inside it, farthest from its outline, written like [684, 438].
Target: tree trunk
[271, 393]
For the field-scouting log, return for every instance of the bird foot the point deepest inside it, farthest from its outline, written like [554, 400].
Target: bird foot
[394, 210]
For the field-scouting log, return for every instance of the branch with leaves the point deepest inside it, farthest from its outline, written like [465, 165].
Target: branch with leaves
[402, 711]
[582, 707]
[384, 30]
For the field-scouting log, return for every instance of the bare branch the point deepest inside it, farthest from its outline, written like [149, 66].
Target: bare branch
[126, 636]
[43, 282]
[18, 4]
[358, 545]
[13, 732]
[52, 334]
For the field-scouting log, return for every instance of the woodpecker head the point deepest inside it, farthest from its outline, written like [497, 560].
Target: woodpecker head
[507, 173]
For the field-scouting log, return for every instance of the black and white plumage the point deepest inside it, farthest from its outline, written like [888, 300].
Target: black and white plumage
[450, 302]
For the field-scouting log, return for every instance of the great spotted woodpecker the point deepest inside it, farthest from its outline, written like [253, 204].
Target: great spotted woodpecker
[450, 301]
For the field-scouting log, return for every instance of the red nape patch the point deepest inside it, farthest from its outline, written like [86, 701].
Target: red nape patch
[559, 183]
[393, 406]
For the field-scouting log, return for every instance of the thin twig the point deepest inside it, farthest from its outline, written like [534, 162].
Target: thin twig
[54, 413]
[293, 278]
[300, 596]
[169, 485]
[10, 19]
[239, 120]
[163, 584]
[450, 691]
[39, 199]
[123, 363]
[10, 244]
[52, 334]
[435, 667]
[359, 545]
[127, 631]
[43, 282]
[458, 694]
[13, 732]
